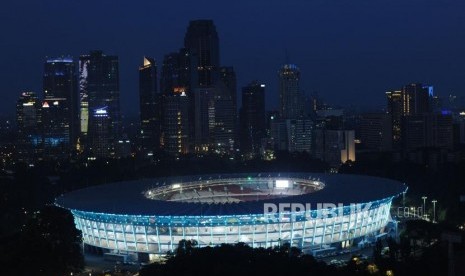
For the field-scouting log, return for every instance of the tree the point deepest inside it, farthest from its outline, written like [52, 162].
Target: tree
[49, 244]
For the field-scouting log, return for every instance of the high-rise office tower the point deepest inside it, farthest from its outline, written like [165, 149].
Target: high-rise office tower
[427, 130]
[55, 128]
[177, 130]
[417, 98]
[293, 130]
[60, 113]
[291, 99]
[299, 135]
[176, 122]
[175, 72]
[335, 146]
[202, 43]
[100, 143]
[228, 78]
[150, 107]
[413, 99]
[253, 124]
[395, 108]
[222, 115]
[376, 131]
[29, 123]
[212, 91]
[99, 89]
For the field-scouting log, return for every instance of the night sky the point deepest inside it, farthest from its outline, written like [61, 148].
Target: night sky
[351, 52]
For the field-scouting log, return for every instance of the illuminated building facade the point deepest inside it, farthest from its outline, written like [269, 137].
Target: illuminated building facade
[29, 123]
[177, 109]
[60, 107]
[100, 142]
[413, 99]
[99, 87]
[291, 100]
[176, 122]
[334, 146]
[299, 135]
[150, 107]
[151, 216]
[55, 128]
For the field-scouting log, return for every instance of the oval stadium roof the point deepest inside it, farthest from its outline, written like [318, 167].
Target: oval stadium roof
[127, 198]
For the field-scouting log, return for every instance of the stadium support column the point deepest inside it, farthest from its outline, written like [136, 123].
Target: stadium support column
[114, 237]
[266, 238]
[332, 230]
[134, 235]
[239, 233]
[304, 228]
[171, 237]
[324, 231]
[342, 224]
[124, 237]
[253, 235]
[198, 236]
[226, 231]
[106, 233]
[211, 234]
[292, 229]
[158, 239]
[314, 233]
[147, 239]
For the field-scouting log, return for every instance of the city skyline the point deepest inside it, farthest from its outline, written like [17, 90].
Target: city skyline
[346, 63]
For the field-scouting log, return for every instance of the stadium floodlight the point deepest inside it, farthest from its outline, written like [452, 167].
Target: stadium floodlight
[282, 184]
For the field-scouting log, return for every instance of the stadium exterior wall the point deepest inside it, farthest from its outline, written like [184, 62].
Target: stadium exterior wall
[310, 229]
[159, 234]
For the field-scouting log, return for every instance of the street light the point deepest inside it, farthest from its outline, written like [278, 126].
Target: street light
[434, 209]
[424, 205]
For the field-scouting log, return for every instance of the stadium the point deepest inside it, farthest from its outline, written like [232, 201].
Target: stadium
[147, 218]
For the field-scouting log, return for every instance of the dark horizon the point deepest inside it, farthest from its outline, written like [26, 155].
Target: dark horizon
[349, 53]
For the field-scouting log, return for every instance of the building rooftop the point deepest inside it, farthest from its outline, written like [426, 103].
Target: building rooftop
[130, 197]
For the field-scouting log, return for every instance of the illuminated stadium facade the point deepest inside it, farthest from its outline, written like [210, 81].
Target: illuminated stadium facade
[151, 216]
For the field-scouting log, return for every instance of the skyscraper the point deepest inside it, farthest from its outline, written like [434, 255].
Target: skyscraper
[28, 121]
[175, 72]
[100, 144]
[99, 89]
[395, 108]
[413, 99]
[150, 107]
[376, 131]
[335, 146]
[60, 113]
[222, 115]
[228, 78]
[202, 43]
[177, 130]
[291, 99]
[293, 130]
[176, 122]
[55, 129]
[253, 125]
[211, 89]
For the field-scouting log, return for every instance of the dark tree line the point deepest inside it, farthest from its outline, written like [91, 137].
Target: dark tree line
[48, 244]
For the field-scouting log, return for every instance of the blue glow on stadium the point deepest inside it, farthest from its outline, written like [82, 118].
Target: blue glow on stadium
[151, 216]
